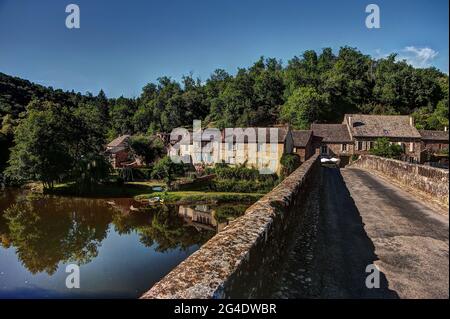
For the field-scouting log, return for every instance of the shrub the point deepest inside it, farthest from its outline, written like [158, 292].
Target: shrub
[167, 170]
[384, 148]
[289, 163]
[242, 186]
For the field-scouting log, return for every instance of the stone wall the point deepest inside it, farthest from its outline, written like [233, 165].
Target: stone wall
[429, 181]
[241, 260]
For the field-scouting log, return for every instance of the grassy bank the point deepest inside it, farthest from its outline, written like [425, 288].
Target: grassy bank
[187, 197]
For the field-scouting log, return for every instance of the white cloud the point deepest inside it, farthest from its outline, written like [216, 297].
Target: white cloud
[418, 57]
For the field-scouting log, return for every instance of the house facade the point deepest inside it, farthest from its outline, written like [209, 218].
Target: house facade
[303, 144]
[434, 146]
[364, 130]
[333, 140]
[261, 148]
[119, 153]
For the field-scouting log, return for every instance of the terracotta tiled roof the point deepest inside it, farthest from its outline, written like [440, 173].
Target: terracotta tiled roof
[434, 135]
[301, 137]
[332, 133]
[381, 126]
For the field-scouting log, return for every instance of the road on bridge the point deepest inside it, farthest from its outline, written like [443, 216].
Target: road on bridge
[362, 220]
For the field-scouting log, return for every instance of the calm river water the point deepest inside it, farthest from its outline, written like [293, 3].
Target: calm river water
[120, 252]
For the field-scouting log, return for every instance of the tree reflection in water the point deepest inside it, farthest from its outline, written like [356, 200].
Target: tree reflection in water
[46, 232]
[49, 230]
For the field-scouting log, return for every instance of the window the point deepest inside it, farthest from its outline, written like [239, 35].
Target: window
[411, 147]
[359, 145]
[324, 149]
[344, 147]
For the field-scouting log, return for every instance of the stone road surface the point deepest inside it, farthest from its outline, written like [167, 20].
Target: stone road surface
[363, 219]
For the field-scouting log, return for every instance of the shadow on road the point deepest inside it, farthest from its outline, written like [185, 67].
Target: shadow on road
[343, 249]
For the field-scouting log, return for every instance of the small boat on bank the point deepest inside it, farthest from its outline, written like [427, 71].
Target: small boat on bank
[154, 200]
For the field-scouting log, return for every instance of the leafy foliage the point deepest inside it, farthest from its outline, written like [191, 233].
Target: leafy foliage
[147, 148]
[289, 163]
[167, 170]
[385, 148]
[53, 143]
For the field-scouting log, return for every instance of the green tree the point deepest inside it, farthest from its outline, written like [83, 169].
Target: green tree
[148, 148]
[387, 149]
[40, 150]
[167, 170]
[304, 107]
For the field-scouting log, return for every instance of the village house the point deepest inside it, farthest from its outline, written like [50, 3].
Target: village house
[119, 153]
[434, 146]
[261, 148]
[333, 140]
[366, 129]
[303, 143]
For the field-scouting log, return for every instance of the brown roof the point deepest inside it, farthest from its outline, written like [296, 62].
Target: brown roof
[332, 133]
[301, 137]
[434, 135]
[381, 126]
[118, 141]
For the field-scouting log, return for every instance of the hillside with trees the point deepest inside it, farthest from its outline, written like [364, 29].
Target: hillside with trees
[316, 87]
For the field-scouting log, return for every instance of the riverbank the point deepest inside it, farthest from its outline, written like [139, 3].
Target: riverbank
[110, 190]
[143, 191]
[189, 197]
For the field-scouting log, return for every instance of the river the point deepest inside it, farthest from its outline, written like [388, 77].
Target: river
[121, 249]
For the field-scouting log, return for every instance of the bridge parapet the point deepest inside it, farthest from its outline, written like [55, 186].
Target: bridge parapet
[241, 260]
[429, 181]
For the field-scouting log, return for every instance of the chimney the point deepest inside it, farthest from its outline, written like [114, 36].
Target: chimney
[411, 121]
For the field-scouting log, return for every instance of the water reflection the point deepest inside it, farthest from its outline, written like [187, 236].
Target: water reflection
[41, 235]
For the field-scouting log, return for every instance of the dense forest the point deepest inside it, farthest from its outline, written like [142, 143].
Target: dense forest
[314, 87]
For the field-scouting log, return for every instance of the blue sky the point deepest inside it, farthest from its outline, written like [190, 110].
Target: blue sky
[122, 45]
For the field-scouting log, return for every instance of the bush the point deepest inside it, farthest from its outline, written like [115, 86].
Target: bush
[242, 186]
[167, 170]
[384, 148]
[289, 163]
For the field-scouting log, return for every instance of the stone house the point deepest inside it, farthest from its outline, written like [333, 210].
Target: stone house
[333, 140]
[433, 145]
[364, 130]
[119, 155]
[303, 144]
[261, 148]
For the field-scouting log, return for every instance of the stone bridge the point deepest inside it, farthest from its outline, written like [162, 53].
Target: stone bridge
[316, 233]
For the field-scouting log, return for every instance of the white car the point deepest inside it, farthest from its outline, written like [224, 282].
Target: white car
[330, 160]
